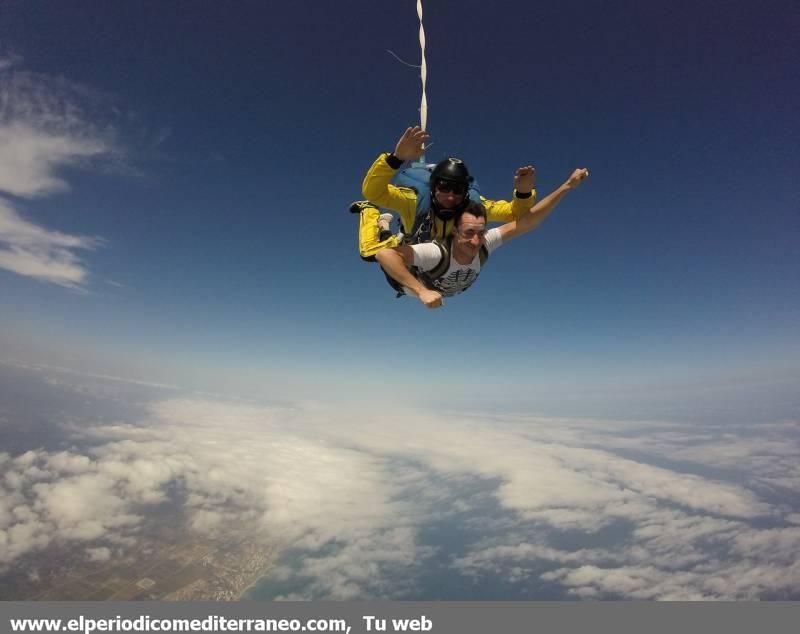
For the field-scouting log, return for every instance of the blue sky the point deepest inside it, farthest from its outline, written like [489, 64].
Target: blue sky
[209, 152]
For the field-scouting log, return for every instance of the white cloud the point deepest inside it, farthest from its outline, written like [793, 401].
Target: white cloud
[769, 454]
[676, 545]
[83, 507]
[776, 545]
[33, 251]
[355, 494]
[46, 125]
[31, 158]
[362, 566]
[67, 463]
[242, 465]
[634, 582]
[740, 580]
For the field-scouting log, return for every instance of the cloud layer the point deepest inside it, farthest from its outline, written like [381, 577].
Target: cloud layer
[351, 497]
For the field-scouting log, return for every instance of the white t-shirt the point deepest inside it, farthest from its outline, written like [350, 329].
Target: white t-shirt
[458, 277]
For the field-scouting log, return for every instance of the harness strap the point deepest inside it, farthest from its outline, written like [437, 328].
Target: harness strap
[444, 263]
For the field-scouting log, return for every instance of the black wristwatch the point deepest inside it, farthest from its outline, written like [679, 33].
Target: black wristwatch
[393, 161]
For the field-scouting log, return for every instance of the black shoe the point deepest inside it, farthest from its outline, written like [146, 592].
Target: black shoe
[358, 206]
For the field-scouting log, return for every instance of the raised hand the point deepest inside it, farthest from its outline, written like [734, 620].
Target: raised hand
[577, 177]
[411, 145]
[525, 179]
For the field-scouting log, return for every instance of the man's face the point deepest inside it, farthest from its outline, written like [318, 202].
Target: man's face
[468, 236]
[448, 194]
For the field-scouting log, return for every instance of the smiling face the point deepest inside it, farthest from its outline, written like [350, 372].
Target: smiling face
[468, 235]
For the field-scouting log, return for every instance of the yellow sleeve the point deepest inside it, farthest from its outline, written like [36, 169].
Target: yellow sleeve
[505, 211]
[378, 190]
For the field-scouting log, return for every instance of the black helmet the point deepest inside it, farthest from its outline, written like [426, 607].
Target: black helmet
[454, 171]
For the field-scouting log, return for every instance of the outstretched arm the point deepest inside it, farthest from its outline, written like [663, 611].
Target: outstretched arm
[396, 262]
[543, 208]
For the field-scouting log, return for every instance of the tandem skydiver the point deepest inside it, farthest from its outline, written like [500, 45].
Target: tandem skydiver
[428, 214]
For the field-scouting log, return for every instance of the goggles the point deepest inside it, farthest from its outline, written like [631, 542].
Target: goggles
[447, 187]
